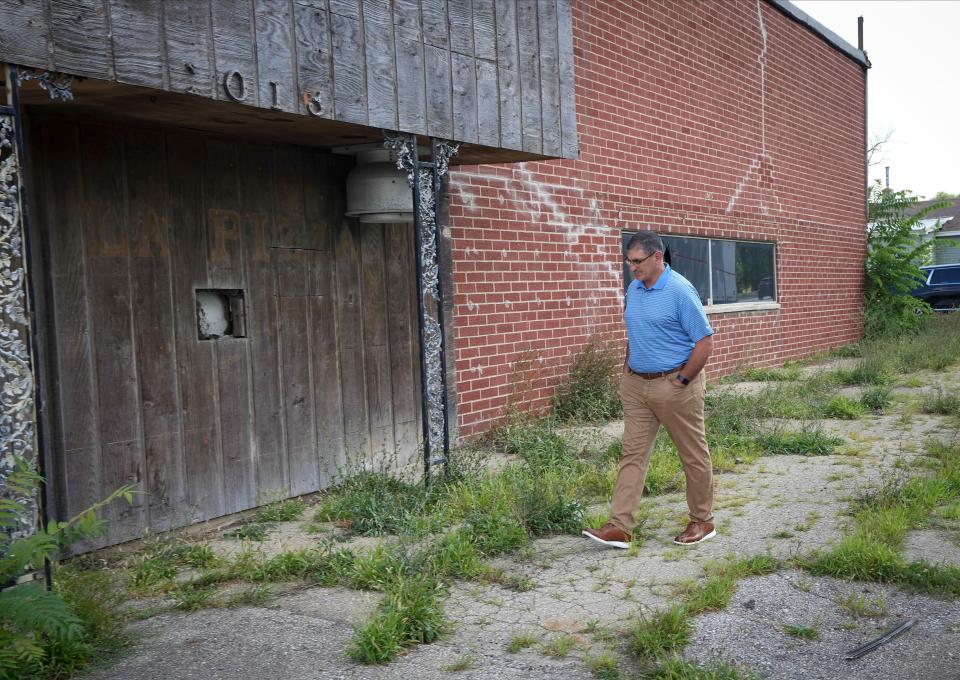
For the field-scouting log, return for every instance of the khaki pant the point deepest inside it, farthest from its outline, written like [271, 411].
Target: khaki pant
[647, 404]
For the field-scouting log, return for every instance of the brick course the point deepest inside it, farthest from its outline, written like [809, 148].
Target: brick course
[723, 119]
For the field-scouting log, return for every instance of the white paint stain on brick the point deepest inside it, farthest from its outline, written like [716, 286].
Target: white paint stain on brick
[761, 168]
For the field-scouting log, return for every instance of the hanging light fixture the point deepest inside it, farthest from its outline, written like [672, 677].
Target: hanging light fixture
[377, 192]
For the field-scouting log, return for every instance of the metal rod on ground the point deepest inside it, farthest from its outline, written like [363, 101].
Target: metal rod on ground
[886, 637]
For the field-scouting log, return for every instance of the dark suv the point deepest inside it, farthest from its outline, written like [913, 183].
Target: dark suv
[941, 288]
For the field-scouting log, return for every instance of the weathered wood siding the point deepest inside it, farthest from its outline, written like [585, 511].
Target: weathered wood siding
[132, 221]
[497, 73]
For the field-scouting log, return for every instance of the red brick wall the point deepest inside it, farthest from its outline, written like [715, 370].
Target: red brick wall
[687, 126]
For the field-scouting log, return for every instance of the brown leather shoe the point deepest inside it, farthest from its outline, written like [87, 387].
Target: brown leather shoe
[609, 535]
[696, 532]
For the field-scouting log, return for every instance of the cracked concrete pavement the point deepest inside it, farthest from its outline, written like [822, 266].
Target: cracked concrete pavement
[783, 505]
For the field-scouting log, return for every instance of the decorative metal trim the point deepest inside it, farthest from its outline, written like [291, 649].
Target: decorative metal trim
[17, 428]
[57, 85]
[426, 194]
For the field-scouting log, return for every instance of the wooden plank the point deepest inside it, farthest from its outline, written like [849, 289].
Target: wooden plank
[484, 30]
[263, 321]
[402, 330]
[381, 64]
[488, 105]
[406, 18]
[433, 15]
[350, 90]
[110, 306]
[460, 13]
[313, 58]
[233, 47]
[290, 264]
[188, 38]
[225, 270]
[511, 129]
[25, 35]
[376, 341]
[275, 56]
[136, 27]
[549, 76]
[153, 326]
[78, 450]
[508, 63]
[81, 43]
[203, 472]
[530, 115]
[323, 205]
[439, 104]
[570, 143]
[465, 124]
[350, 337]
[411, 84]
[508, 52]
[346, 8]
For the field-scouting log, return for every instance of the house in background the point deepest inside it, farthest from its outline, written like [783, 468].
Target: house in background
[943, 226]
[213, 322]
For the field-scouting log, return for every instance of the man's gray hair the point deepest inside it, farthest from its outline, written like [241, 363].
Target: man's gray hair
[648, 240]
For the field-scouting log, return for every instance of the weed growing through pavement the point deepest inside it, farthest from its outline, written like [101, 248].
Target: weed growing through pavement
[603, 665]
[463, 663]
[591, 393]
[882, 517]
[862, 606]
[802, 632]
[941, 403]
[520, 642]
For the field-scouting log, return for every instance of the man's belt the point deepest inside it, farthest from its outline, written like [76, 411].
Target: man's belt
[651, 376]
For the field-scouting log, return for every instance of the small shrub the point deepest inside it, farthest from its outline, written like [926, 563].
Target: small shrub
[876, 399]
[591, 393]
[941, 403]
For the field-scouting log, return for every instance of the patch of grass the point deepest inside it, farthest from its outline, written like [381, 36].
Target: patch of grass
[190, 597]
[790, 371]
[666, 632]
[871, 370]
[862, 606]
[846, 352]
[802, 632]
[465, 662]
[603, 666]
[373, 504]
[782, 534]
[843, 408]
[519, 642]
[560, 646]
[254, 596]
[591, 392]
[411, 613]
[806, 442]
[251, 531]
[941, 403]
[284, 511]
[160, 564]
[681, 669]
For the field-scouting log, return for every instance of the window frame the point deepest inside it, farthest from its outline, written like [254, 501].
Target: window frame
[710, 306]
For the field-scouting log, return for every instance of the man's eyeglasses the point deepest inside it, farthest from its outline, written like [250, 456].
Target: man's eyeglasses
[639, 262]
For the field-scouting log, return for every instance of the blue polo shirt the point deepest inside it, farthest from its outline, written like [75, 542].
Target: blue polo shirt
[663, 322]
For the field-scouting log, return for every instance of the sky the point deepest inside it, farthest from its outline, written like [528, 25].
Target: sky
[912, 87]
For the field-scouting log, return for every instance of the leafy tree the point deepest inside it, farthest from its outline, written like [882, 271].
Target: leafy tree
[894, 256]
[945, 196]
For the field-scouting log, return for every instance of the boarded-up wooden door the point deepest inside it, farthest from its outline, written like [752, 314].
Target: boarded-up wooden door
[131, 223]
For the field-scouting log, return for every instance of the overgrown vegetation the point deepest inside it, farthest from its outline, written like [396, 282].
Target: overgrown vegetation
[894, 257]
[50, 633]
[881, 519]
[591, 392]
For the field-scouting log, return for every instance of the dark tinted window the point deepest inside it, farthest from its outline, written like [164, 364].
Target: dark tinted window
[946, 275]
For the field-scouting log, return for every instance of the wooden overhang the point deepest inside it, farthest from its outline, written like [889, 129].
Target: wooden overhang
[494, 75]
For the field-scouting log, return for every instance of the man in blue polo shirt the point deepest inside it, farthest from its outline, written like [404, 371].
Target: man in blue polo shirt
[669, 342]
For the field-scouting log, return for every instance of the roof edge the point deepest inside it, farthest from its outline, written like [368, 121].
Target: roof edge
[841, 45]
